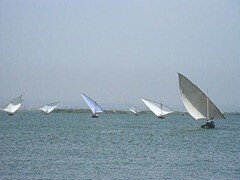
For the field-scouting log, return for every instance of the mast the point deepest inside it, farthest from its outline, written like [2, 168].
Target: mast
[161, 109]
[95, 108]
[208, 118]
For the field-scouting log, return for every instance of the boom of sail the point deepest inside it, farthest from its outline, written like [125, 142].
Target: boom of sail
[196, 102]
[13, 105]
[49, 107]
[95, 108]
[158, 109]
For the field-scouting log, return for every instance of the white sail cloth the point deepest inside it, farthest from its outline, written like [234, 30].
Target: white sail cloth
[195, 101]
[95, 108]
[155, 107]
[49, 107]
[14, 105]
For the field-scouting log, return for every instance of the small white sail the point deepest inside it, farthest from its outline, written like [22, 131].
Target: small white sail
[14, 105]
[49, 107]
[95, 108]
[133, 109]
[156, 107]
[10, 108]
[196, 102]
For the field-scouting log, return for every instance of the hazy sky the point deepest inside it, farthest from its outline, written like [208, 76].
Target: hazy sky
[119, 51]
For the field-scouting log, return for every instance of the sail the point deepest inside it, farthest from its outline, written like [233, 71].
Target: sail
[155, 107]
[95, 108]
[44, 108]
[133, 108]
[17, 100]
[195, 101]
[14, 105]
[11, 108]
[49, 107]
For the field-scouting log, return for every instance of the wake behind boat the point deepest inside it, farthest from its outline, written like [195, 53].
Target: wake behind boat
[49, 107]
[133, 109]
[13, 105]
[95, 108]
[158, 109]
[197, 103]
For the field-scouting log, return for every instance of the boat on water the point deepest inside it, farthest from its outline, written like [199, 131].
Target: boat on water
[13, 105]
[49, 107]
[158, 109]
[198, 104]
[133, 109]
[95, 108]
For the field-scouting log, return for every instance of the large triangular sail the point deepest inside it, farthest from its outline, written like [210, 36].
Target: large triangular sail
[133, 109]
[95, 108]
[14, 105]
[196, 102]
[157, 108]
[49, 107]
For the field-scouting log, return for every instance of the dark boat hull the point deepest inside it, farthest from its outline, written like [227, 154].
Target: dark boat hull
[95, 116]
[208, 126]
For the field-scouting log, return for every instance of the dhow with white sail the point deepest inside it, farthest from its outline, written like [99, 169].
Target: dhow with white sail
[134, 109]
[49, 107]
[95, 108]
[158, 109]
[13, 105]
[198, 105]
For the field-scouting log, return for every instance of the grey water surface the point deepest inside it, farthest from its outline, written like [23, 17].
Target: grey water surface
[117, 146]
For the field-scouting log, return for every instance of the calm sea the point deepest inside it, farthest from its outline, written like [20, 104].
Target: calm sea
[117, 146]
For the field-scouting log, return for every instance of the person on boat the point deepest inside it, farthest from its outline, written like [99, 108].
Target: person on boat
[210, 122]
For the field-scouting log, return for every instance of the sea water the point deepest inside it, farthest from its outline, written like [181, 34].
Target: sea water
[117, 146]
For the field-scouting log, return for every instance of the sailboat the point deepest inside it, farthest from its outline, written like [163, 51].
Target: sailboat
[135, 110]
[49, 107]
[198, 104]
[158, 109]
[95, 108]
[13, 105]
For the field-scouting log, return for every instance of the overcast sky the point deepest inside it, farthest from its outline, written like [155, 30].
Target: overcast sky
[119, 51]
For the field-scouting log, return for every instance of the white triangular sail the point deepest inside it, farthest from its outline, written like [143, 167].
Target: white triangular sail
[133, 109]
[156, 107]
[14, 105]
[95, 108]
[196, 102]
[49, 107]
[10, 108]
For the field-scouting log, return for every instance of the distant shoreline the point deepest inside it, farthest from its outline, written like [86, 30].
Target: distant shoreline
[109, 111]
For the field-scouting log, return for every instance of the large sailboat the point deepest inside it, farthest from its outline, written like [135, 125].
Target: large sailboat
[198, 104]
[135, 110]
[95, 108]
[49, 107]
[158, 109]
[13, 105]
